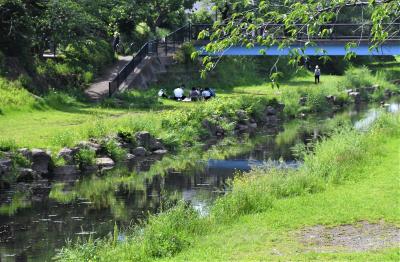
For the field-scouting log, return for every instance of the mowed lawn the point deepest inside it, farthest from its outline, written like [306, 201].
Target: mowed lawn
[274, 235]
[48, 128]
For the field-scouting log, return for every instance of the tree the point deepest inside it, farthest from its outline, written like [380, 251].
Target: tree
[269, 23]
[167, 13]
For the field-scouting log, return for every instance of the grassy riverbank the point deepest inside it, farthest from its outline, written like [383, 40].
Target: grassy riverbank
[58, 120]
[350, 177]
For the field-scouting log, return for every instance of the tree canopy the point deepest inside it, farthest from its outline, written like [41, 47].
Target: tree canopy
[280, 22]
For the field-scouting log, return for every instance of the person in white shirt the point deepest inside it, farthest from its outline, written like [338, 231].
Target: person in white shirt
[206, 94]
[179, 93]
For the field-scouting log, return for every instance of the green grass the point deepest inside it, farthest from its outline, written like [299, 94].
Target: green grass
[351, 177]
[271, 235]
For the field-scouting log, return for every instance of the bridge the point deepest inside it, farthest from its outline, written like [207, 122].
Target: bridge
[331, 45]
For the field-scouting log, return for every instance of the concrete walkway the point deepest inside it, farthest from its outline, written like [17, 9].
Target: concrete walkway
[99, 88]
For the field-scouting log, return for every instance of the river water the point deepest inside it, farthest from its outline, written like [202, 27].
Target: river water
[36, 220]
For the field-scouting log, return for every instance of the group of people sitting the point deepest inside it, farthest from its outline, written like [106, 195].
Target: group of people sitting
[195, 94]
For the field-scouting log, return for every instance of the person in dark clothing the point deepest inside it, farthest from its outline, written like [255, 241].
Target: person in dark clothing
[317, 74]
[116, 41]
[194, 94]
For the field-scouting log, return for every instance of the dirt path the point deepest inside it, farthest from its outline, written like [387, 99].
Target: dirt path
[99, 88]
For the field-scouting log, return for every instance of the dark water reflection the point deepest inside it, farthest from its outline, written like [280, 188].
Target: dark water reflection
[33, 225]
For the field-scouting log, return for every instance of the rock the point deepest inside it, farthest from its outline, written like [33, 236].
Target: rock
[242, 128]
[270, 111]
[160, 152]
[67, 170]
[212, 128]
[280, 107]
[271, 121]
[25, 152]
[105, 162]
[356, 96]
[219, 131]
[143, 138]
[40, 161]
[303, 101]
[130, 159]
[241, 114]
[26, 175]
[139, 151]
[5, 166]
[253, 125]
[67, 154]
[156, 145]
[90, 145]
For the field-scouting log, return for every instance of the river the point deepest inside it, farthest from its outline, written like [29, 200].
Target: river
[37, 219]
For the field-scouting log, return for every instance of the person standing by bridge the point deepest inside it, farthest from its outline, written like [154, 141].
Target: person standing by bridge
[317, 74]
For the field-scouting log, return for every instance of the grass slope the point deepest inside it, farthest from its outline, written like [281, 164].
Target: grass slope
[59, 121]
[270, 236]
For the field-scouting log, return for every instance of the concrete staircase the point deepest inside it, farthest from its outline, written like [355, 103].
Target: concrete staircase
[147, 72]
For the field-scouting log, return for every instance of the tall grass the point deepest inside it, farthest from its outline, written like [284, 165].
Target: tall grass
[327, 164]
[13, 97]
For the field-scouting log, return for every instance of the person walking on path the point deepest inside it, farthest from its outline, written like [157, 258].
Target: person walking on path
[116, 41]
[317, 73]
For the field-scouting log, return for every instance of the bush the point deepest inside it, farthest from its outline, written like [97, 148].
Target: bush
[183, 55]
[114, 151]
[85, 157]
[170, 232]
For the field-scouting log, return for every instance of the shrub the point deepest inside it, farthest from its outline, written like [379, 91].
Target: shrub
[114, 151]
[85, 157]
[183, 55]
[170, 232]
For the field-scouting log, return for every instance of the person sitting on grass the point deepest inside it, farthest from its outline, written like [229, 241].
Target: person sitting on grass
[162, 93]
[206, 94]
[179, 93]
[212, 91]
[194, 94]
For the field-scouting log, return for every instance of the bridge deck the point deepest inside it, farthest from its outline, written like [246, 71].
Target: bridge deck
[332, 49]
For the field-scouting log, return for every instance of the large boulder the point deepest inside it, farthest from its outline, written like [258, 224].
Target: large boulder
[26, 175]
[270, 111]
[143, 139]
[25, 152]
[40, 161]
[67, 154]
[241, 114]
[139, 151]
[105, 163]
[155, 144]
[271, 121]
[90, 145]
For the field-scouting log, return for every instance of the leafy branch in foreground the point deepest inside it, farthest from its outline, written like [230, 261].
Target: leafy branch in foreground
[284, 23]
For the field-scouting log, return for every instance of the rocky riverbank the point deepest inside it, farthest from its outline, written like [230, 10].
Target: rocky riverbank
[99, 155]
